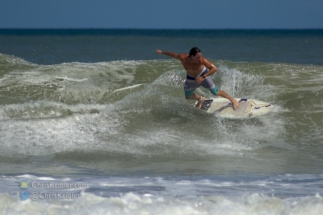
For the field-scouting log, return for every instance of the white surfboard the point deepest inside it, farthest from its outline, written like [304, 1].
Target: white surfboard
[249, 108]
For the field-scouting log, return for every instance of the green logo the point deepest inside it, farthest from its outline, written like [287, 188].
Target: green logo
[24, 184]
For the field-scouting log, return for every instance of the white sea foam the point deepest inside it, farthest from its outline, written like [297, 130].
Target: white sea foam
[184, 195]
[56, 131]
[239, 84]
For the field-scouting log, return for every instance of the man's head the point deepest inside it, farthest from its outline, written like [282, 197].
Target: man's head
[194, 51]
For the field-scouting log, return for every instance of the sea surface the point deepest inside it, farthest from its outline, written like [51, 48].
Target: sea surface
[94, 121]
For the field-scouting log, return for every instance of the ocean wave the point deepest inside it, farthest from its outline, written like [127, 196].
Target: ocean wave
[282, 194]
[138, 108]
[125, 107]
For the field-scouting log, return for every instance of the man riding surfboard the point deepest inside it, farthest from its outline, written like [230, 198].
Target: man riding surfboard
[198, 73]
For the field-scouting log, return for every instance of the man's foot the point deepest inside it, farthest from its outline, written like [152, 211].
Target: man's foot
[200, 102]
[235, 105]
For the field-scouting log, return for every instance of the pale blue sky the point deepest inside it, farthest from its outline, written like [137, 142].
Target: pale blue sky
[162, 14]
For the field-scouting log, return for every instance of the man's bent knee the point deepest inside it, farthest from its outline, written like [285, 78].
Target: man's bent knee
[189, 94]
[214, 90]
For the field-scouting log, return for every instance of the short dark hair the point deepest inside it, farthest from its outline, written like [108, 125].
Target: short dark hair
[194, 51]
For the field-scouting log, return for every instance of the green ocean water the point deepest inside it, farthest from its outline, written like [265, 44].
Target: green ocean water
[106, 110]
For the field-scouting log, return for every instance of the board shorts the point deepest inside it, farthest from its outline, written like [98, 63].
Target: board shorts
[190, 84]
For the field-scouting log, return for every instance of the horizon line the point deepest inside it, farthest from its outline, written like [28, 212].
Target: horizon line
[180, 29]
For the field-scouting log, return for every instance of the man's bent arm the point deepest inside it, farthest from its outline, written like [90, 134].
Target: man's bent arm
[211, 67]
[169, 54]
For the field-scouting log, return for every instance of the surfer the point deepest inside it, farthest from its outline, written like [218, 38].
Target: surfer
[198, 73]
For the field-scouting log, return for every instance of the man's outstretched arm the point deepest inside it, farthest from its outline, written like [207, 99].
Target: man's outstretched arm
[169, 54]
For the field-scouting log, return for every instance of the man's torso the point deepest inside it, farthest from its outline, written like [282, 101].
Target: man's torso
[192, 68]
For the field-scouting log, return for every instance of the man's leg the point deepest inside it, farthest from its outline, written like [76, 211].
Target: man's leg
[189, 94]
[223, 94]
[200, 99]
[234, 102]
